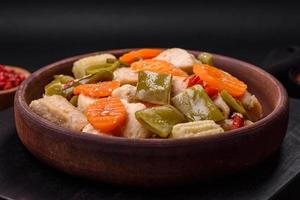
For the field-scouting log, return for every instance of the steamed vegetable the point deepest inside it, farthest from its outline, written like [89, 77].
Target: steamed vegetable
[57, 86]
[206, 58]
[106, 114]
[233, 103]
[101, 75]
[154, 88]
[237, 121]
[196, 129]
[74, 100]
[80, 66]
[160, 119]
[194, 80]
[63, 78]
[133, 56]
[157, 66]
[220, 80]
[196, 105]
[97, 90]
[149, 93]
[103, 67]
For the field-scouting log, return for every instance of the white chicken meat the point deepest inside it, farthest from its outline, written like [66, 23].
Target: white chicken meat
[126, 92]
[84, 101]
[125, 76]
[179, 58]
[60, 111]
[133, 128]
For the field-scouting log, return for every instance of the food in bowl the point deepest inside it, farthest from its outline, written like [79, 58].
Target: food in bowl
[148, 93]
[9, 78]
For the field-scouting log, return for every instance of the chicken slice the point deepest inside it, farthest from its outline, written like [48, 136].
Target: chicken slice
[178, 57]
[126, 76]
[126, 92]
[179, 84]
[90, 129]
[60, 111]
[252, 106]
[84, 101]
[220, 103]
[133, 128]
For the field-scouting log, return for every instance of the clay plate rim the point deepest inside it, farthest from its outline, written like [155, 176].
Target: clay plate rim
[279, 109]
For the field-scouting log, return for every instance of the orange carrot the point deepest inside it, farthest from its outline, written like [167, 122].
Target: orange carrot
[133, 56]
[106, 114]
[98, 90]
[158, 66]
[220, 80]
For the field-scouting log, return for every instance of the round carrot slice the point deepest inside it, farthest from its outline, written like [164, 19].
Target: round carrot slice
[133, 56]
[106, 114]
[158, 66]
[220, 80]
[98, 90]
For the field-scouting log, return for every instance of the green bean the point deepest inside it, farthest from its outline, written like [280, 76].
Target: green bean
[102, 75]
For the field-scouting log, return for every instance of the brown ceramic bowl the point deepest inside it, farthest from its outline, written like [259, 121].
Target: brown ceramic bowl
[154, 162]
[7, 96]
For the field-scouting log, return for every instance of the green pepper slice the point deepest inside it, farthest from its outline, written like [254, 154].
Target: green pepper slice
[57, 86]
[74, 101]
[206, 58]
[54, 87]
[233, 103]
[101, 75]
[63, 78]
[160, 120]
[107, 66]
[154, 87]
[196, 105]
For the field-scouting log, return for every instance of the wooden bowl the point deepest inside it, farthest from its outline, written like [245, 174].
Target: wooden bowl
[154, 162]
[7, 96]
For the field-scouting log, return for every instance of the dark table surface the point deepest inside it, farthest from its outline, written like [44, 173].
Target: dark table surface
[33, 34]
[24, 177]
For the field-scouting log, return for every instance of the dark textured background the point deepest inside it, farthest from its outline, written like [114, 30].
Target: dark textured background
[33, 34]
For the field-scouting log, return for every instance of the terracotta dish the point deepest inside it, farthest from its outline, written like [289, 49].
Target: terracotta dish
[154, 162]
[7, 96]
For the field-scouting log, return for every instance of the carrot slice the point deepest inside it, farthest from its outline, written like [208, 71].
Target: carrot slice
[132, 56]
[98, 90]
[106, 114]
[220, 80]
[158, 66]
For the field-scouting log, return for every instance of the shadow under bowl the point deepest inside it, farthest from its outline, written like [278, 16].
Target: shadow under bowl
[154, 162]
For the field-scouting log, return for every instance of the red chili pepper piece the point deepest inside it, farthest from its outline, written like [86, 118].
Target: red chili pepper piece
[237, 121]
[193, 80]
[212, 92]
